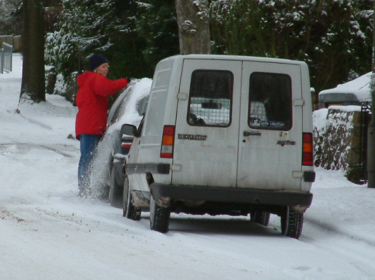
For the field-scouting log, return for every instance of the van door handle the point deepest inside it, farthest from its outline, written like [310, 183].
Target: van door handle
[251, 133]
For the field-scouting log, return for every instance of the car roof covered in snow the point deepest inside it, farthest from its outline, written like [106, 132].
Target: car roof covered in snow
[360, 87]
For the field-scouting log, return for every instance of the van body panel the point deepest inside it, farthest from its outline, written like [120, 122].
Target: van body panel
[273, 149]
[147, 147]
[235, 159]
[216, 151]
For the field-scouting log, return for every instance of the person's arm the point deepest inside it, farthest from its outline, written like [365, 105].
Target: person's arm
[103, 86]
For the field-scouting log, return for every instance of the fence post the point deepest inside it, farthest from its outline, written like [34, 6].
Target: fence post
[1, 60]
[8, 59]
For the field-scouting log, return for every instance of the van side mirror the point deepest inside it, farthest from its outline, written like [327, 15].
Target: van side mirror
[128, 129]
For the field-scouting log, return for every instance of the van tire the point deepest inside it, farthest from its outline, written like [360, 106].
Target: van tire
[115, 193]
[159, 217]
[291, 223]
[128, 209]
[262, 218]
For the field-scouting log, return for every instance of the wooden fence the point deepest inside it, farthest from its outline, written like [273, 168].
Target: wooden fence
[14, 40]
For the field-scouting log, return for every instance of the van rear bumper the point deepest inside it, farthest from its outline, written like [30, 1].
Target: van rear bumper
[234, 195]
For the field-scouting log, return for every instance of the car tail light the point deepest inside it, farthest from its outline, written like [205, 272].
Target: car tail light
[126, 145]
[167, 142]
[307, 150]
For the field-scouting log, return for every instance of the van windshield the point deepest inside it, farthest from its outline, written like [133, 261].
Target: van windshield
[270, 105]
[210, 100]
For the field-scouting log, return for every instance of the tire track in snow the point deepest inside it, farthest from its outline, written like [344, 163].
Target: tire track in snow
[34, 121]
[329, 228]
[41, 146]
[357, 253]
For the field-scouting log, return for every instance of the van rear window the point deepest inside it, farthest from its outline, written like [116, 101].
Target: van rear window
[210, 98]
[270, 105]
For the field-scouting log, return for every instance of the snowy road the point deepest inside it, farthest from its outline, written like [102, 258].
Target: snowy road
[47, 232]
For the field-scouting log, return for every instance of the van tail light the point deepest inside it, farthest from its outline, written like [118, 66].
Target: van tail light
[167, 142]
[307, 150]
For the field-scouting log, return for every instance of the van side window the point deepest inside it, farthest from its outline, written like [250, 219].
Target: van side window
[210, 98]
[270, 105]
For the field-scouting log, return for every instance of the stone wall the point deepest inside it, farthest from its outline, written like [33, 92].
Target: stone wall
[338, 136]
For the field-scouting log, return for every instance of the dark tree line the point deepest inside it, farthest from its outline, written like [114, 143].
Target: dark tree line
[132, 35]
[333, 37]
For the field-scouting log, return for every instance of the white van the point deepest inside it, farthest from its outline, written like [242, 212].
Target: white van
[223, 135]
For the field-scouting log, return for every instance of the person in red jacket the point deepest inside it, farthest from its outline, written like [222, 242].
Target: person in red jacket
[91, 120]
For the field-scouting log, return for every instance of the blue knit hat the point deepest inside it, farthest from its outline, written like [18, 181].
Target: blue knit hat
[96, 60]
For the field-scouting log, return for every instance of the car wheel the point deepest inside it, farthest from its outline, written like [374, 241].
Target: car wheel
[128, 209]
[115, 191]
[159, 217]
[291, 223]
[262, 218]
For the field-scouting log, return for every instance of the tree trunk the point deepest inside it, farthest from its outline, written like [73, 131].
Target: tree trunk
[33, 85]
[193, 26]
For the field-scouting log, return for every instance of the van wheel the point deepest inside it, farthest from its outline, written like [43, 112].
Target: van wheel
[128, 209]
[291, 223]
[262, 218]
[115, 193]
[159, 217]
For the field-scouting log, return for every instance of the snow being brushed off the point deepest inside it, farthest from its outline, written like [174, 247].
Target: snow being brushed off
[46, 232]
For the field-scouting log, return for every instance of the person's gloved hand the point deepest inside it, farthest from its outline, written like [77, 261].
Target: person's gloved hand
[131, 81]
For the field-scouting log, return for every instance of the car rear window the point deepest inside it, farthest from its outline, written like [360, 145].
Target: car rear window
[210, 98]
[270, 105]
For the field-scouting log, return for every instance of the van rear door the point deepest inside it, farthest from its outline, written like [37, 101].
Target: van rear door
[270, 142]
[206, 144]
[239, 124]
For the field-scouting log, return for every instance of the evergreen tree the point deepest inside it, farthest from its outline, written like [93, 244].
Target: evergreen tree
[333, 37]
[157, 25]
[10, 17]
[90, 26]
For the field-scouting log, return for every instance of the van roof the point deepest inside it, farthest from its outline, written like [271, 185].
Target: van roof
[234, 57]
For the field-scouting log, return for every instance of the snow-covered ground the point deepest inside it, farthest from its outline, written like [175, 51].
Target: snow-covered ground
[47, 232]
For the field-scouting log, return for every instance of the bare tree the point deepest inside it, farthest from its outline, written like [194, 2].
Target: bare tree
[193, 25]
[33, 86]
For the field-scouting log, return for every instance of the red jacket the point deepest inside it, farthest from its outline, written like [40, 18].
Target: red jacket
[92, 102]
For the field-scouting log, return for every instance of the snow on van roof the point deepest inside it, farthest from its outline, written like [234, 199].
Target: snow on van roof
[360, 87]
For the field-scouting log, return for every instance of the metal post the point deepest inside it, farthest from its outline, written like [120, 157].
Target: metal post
[1, 60]
[371, 127]
[11, 59]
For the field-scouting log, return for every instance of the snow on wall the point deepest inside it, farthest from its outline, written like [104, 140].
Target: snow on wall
[337, 138]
